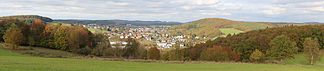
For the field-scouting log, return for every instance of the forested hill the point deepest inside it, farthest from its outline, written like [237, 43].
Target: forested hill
[27, 18]
[119, 22]
[246, 43]
[215, 27]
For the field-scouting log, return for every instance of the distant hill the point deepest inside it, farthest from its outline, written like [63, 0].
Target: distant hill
[27, 18]
[118, 22]
[215, 27]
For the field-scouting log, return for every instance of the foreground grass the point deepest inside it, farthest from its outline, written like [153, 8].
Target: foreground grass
[10, 61]
[300, 59]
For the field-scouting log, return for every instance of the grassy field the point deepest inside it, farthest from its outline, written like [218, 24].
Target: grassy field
[232, 31]
[249, 26]
[12, 61]
[96, 30]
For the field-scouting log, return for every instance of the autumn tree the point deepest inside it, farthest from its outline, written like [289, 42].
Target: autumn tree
[311, 50]
[281, 48]
[141, 52]
[48, 35]
[36, 29]
[217, 53]
[13, 37]
[175, 53]
[77, 38]
[154, 53]
[103, 46]
[130, 48]
[61, 38]
[5, 24]
[257, 55]
[194, 52]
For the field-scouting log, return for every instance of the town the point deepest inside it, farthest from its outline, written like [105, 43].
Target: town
[151, 35]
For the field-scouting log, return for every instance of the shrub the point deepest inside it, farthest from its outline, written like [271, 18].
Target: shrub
[85, 51]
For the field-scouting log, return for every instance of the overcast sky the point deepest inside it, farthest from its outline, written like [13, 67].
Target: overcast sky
[170, 10]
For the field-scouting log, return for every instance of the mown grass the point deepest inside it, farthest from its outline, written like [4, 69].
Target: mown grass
[10, 61]
[248, 26]
[231, 31]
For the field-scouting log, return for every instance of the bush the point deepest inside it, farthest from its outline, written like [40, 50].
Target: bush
[85, 51]
[99, 51]
[256, 56]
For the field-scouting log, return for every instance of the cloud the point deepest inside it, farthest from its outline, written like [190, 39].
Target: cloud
[321, 9]
[274, 11]
[170, 10]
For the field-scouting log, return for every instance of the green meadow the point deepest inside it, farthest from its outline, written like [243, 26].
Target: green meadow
[231, 31]
[11, 61]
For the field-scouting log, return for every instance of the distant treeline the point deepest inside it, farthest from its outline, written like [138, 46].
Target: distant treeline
[74, 38]
[28, 18]
[119, 22]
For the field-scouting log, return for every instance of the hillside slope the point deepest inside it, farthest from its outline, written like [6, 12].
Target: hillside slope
[211, 27]
[27, 18]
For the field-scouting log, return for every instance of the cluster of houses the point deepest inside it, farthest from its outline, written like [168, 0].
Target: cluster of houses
[159, 35]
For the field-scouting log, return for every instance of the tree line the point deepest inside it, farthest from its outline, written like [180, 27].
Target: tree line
[273, 44]
[74, 38]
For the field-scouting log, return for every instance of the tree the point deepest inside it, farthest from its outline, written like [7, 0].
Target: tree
[3, 28]
[194, 52]
[48, 35]
[36, 29]
[13, 37]
[78, 38]
[131, 48]
[61, 38]
[281, 47]
[5, 24]
[154, 53]
[311, 50]
[103, 47]
[175, 53]
[217, 53]
[257, 55]
[141, 52]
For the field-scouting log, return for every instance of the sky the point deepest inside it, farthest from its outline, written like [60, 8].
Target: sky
[170, 10]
